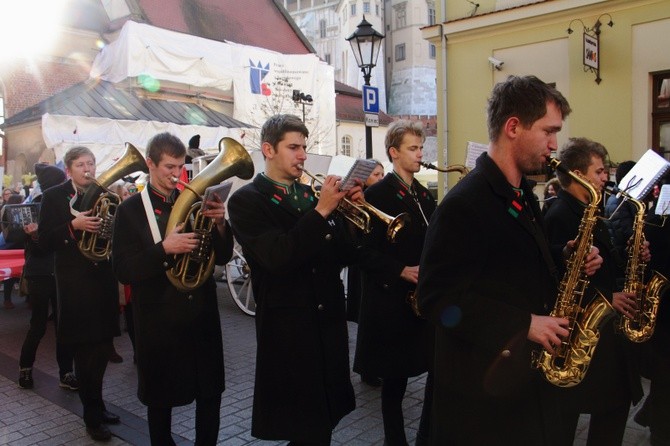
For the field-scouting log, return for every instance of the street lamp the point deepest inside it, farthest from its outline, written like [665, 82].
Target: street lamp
[365, 44]
[304, 99]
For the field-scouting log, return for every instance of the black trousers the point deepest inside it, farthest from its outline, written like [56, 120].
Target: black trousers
[660, 400]
[207, 421]
[8, 287]
[90, 360]
[605, 428]
[393, 392]
[42, 292]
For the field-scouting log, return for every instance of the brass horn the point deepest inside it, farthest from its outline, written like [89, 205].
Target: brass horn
[359, 213]
[96, 246]
[192, 269]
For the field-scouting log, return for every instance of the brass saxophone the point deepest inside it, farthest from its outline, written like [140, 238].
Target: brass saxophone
[570, 361]
[452, 168]
[192, 269]
[647, 297]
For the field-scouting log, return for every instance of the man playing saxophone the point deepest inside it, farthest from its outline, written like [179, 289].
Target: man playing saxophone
[612, 380]
[178, 333]
[487, 277]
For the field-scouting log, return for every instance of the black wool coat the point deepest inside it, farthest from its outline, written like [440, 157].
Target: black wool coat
[612, 378]
[302, 385]
[177, 334]
[485, 268]
[88, 295]
[392, 341]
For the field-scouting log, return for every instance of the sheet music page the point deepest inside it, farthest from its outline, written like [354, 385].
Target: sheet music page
[472, 152]
[639, 181]
[361, 170]
[663, 204]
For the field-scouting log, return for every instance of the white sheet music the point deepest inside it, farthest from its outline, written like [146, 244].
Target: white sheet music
[638, 182]
[472, 152]
[663, 204]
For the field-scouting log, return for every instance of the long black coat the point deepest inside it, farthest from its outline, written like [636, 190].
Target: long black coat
[88, 299]
[612, 378]
[177, 334]
[302, 386]
[392, 341]
[485, 268]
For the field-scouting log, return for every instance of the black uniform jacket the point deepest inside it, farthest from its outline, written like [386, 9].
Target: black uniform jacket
[88, 295]
[658, 235]
[485, 268]
[612, 377]
[177, 334]
[392, 340]
[303, 386]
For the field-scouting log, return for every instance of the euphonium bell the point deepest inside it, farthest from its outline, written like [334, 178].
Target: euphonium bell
[359, 213]
[96, 246]
[192, 269]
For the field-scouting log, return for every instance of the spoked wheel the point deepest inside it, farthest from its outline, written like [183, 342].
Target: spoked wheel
[238, 276]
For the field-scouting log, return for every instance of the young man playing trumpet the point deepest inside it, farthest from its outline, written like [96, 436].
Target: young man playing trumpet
[177, 334]
[88, 301]
[296, 246]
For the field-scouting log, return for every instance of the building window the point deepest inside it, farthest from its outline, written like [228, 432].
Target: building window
[400, 52]
[660, 116]
[322, 28]
[431, 51]
[377, 9]
[366, 7]
[400, 16]
[2, 121]
[327, 57]
[291, 5]
[353, 9]
[346, 145]
[431, 16]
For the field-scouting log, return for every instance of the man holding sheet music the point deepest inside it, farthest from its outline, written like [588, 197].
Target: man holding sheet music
[393, 342]
[178, 334]
[296, 245]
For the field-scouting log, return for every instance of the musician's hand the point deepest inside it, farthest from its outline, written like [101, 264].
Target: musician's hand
[84, 222]
[330, 196]
[547, 331]
[410, 274]
[355, 194]
[30, 229]
[215, 209]
[593, 261]
[177, 242]
[624, 303]
[645, 254]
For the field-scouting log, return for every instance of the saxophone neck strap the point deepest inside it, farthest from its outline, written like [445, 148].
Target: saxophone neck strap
[151, 218]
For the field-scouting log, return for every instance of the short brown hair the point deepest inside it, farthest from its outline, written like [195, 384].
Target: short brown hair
[576, 154]
[76, 152]
[397, 131]
[165, 143]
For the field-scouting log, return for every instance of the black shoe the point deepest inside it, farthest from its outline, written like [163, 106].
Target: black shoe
[110, 418]
[26, 378]
[69, 381]
[373, 381]
[99, 433]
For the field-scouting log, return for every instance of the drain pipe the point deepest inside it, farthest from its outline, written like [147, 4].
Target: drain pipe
[443, 154]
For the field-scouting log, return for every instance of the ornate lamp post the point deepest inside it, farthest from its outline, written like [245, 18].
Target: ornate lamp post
[365, 44]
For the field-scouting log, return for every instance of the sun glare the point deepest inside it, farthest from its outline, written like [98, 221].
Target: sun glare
[28, 27]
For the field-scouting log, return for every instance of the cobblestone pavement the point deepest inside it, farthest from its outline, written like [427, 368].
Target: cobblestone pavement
[49, 415]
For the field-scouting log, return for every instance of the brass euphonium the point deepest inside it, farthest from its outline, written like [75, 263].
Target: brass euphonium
[647, 295]
[568, 365]
[359, 213]
[192, 269]
[96, 246]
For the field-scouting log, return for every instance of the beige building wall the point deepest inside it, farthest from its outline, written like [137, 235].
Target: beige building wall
[356, 131]
[532, 39]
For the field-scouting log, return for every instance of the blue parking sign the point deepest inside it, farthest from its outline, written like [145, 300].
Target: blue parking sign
[370, 99]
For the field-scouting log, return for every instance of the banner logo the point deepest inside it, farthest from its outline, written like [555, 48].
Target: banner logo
[256, 75]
